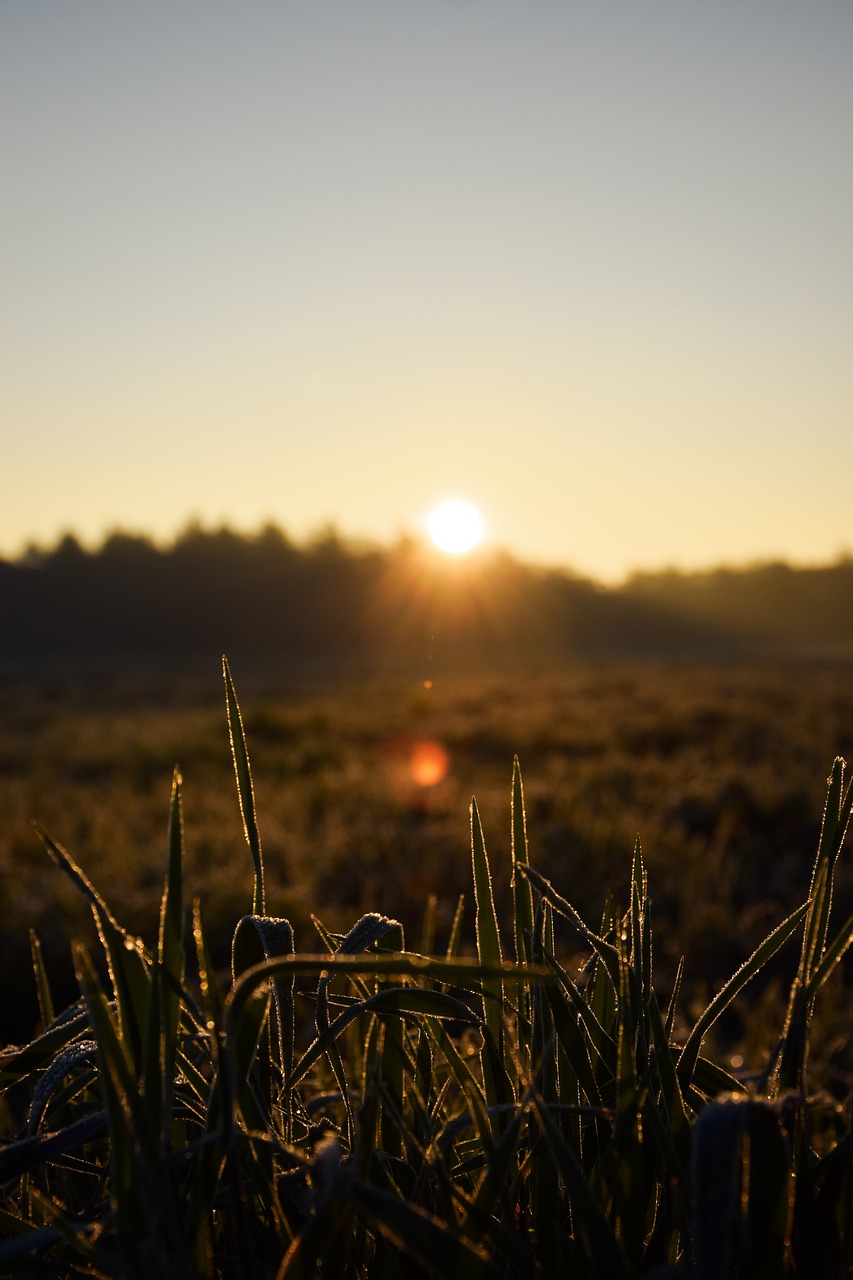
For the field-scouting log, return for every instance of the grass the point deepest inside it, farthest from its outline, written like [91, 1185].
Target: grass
[366, 1107]
[720, 769]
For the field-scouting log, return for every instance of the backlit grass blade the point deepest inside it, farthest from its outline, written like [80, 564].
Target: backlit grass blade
[42, 985]
[152, 1086]
[831, 957]
[488, 938]
[791, 1068]
[574, 1043]
[735, 984]
[456, 928]
[423, 1086]
[210, 997]
[466, 1081]
[712, 1079]
[673, 1099]
[393, 1058]
[501, 1162]
[245, 790]
[638, 897]
[17, 1065]
[669, 1021]
[416, 1001]
[77, 1054]
[522, 896]
[608, 953]
[170, 948]
[260, 938]
[836, 817]
[364, 933]
[522, 908]
[38, 1150]
[461, 972]
[128, 970]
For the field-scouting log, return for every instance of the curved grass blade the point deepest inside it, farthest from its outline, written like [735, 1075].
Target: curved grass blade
[415, 1001]
[363, 934]
[605, 950]
[259, 938]
[735, 984]
[461, 972]
[18, 1158]
[125, 957]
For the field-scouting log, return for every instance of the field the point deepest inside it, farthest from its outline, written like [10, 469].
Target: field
[384, 1092]
[720, 770]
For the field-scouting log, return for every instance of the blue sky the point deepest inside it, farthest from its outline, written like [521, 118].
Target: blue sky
[588, 267]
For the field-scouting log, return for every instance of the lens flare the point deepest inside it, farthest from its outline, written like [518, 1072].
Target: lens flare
[428, 763]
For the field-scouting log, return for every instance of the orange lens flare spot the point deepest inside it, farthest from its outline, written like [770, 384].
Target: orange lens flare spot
[428, 763]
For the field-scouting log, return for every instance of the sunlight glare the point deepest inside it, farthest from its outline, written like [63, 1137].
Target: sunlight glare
[428, 763]
[455, 527]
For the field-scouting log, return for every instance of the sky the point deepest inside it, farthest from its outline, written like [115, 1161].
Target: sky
[588, 267]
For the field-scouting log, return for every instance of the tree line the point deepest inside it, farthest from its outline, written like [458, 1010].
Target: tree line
[332, 601]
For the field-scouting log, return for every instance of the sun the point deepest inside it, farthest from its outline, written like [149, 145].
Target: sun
[455, 527]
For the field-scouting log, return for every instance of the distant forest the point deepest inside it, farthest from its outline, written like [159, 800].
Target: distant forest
[331, 602]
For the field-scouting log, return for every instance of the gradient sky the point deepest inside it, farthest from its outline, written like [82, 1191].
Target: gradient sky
[588, 266]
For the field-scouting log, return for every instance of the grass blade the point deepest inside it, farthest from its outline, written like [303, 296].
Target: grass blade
[245, 790]
[735, 984]
[42, 985]
[488, 938]
[170, 948]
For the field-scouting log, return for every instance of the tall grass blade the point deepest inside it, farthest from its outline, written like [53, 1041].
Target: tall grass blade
[669, 1021]
[456, 929]
[45, 999]
[488, 938]
[170, 948]
[521, 892]
[245, 790]
[210, 996]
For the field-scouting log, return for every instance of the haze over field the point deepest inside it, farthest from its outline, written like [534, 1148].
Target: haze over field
[587, 267]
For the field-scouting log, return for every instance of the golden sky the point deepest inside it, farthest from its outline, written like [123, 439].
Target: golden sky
[587, 267]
